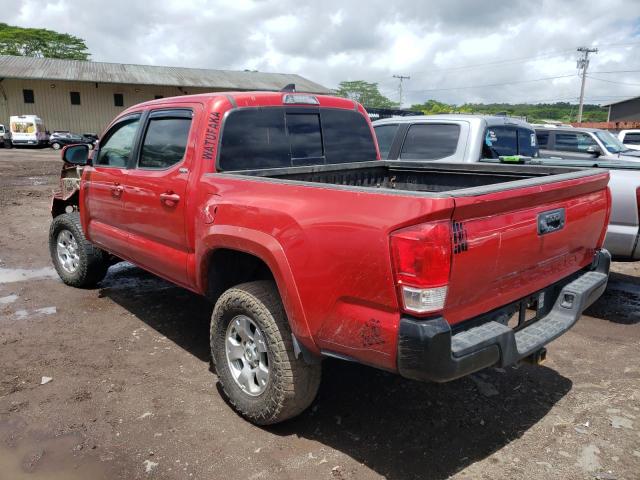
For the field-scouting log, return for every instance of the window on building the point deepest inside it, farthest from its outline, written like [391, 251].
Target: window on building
[165, 142]
[118, 100]
[28, 96]
[158, 97]
[75, 98]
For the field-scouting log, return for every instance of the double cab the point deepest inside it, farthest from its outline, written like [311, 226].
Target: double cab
[277, 207]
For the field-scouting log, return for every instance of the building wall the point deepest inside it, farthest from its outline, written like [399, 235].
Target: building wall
[625, 111]
[52, 102]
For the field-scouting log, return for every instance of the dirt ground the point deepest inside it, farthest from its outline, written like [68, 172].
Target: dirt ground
[132, 395]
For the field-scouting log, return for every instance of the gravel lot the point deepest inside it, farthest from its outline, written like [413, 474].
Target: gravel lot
[132, 395]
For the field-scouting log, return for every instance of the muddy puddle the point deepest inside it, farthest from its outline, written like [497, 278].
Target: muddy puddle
[11, 275]
[31, 456]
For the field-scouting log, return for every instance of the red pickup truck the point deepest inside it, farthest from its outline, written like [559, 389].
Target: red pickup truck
[277, 207]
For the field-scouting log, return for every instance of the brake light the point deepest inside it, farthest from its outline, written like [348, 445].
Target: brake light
[297, 99]
[422, 261]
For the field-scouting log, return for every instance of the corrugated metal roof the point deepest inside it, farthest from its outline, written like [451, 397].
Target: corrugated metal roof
[87, 71]
[618, 101]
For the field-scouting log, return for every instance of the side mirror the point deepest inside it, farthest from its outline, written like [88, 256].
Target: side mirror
[594, 150]
[76, 154]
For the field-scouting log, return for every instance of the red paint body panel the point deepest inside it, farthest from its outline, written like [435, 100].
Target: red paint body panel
[328, 248]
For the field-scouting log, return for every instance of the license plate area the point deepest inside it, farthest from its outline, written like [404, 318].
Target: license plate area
[527, 311]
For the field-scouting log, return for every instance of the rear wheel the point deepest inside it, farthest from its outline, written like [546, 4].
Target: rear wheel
[76, 260]
[56, 146]
[252, 350]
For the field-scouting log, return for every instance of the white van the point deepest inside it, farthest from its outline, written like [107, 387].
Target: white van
[27, 130]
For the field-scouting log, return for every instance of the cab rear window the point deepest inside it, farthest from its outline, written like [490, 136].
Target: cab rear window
[506, 141]
[278, 137]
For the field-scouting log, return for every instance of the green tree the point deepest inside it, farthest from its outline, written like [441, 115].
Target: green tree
[40, 42]
[365, 93]
[431, 107]
[533, 112]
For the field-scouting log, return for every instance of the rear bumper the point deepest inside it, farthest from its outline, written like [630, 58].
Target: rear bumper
[428, 349]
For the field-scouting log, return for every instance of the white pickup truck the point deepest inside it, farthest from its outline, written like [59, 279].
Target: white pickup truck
[482, 138]
[630, 138]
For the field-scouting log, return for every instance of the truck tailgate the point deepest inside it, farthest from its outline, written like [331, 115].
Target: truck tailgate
[508, 244]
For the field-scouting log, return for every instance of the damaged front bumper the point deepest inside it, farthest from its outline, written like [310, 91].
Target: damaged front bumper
[428, 350]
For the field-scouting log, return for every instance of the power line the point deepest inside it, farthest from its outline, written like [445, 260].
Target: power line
[612, 81]
[492, 84]
[618, 71]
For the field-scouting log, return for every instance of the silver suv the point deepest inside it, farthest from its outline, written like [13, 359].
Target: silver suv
[574, 143]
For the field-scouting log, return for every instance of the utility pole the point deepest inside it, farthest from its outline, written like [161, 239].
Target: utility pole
[401, 78]
[583, 63]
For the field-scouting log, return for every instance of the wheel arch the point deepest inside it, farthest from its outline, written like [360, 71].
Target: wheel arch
[259, 256]
[59, 204]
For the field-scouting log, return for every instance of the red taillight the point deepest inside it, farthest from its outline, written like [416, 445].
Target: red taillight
[422, 262]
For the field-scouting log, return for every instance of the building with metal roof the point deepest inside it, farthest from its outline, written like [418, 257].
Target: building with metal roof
[624, 110]
[83, 96]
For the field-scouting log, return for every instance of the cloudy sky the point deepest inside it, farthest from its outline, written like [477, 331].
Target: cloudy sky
[454, 51]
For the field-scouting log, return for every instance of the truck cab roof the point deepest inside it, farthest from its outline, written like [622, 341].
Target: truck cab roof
[259, 99]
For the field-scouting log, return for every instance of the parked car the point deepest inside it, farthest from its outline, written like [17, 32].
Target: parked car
[60, 138]
[464, 138]
[623, 233]
[28, 130]
[454, 137]
[311, 247]
[576, 143]
[5, 137]
[630, 138]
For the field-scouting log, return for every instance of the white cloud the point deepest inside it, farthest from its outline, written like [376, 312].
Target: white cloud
[433, 42]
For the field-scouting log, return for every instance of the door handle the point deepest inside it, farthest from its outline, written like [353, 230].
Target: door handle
[117, 190]
[169, 198]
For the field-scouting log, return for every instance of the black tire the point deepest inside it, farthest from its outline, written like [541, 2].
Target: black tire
[292, 385]
[92, 262]
[56, 146]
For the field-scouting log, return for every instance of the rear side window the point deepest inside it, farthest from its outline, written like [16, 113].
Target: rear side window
[543, 139]
[430, 141]
[278, 137]
[385, 135]
[164, 142]
[632, 138]
[500, 141]
[527, 145]
[573, 142]
[347, 137]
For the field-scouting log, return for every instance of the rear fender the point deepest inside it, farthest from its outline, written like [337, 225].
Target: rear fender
[267, 249]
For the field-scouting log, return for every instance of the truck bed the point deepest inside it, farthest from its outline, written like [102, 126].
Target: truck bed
[456, 179]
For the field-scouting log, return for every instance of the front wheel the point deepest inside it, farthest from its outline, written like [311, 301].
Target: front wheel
[252, 351]
[56, 146]
[76, 260]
